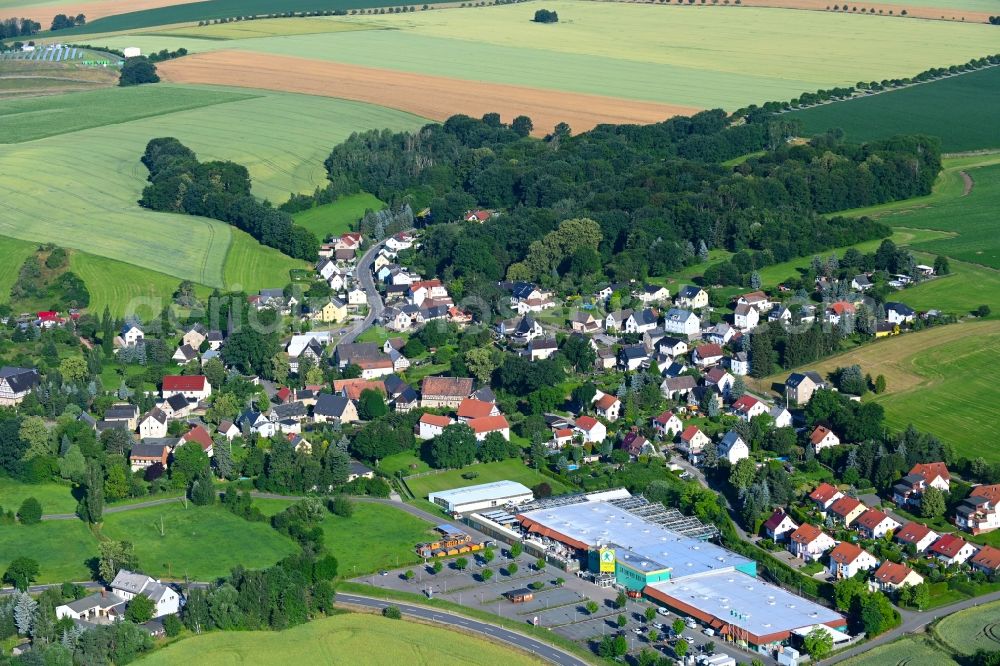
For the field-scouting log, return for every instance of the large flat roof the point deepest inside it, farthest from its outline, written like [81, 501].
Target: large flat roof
[640, 544]
[746, 602]
[482, 492]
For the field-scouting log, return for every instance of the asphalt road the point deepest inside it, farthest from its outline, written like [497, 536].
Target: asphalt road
[363, 276]
[543, 650]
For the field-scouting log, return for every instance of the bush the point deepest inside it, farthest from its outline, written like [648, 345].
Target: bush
[30, 512]
[392, 612]
[546, 16]
[137, 71]
[341, 506]
[172, 625]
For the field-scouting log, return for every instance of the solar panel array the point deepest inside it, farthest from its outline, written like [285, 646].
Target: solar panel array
[55, 54]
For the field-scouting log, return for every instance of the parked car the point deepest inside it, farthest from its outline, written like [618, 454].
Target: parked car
[637, 630]
[708, 631]
[689, 639]
[691, 624]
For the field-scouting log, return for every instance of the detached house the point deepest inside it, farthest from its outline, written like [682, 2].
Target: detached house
[146, 455]
[16, 384]
[334, 408]
[642, 321]
[591, 429]
[607, 406]
[693, 442]
[130, 335]
[672, 347]
[705, 356]
[584, 322]
[755, 299]
[652, 293]
[824, 496]
[154, 424]
[845, 511]
[431, 425]
[779, 526]
[746, 317]
[899, 313]
[909, 489]
[192, 387]
[636, 445]
[719, 376]
[800, 386]
[823, 438]
[874, 524]
[667, 425]
[979, 512]
[986, 560]
[952, 549]
[691, 298]
[848, 559]
[471, 409]
[747, 407]
[483, 426]
[809, 542]
[892, 577]
[682, 322]
[444, 391]
[521, 329]
[917, 535]
[733, 448]
[526, 297]
[128, 585]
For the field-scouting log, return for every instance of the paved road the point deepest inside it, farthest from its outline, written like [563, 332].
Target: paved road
[912, 623]
[363, 276]
[544, 650]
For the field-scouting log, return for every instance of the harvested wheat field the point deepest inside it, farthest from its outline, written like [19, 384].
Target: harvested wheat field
[434, 97]
[92, 9]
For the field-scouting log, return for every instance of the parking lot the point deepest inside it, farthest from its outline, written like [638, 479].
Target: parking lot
[561, 608]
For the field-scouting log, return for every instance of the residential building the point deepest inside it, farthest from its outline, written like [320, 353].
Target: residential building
[652, 293]
[748, 407]
[128, 585]
[334, 408]
[192, 387]
[718, 376]
[682, 322]
[733, 448]
[674, 387]
[194, 337]
[130, 335]
[824, 496]
[739, 364]
[800, 386]
[875, 524]
[823, 438]
[986, 560]
[845, 511]
[746, 317]
[779, 526]
[591, 429]
[123, 412]
[200, 436]
[431, 425]
[642, 321]
[583, 321]
[917, 535]
[952, 549]
[154, 424]
[892, 577]
[471, 409]
[521, 329]
[632, 357]
[98, 608]
[781, 416]
[691, 298]
[615, 321]
[607, 406]
[899, 313]
[145, 455]
[755, 299]
[444, 391]
[980, 511]
[636, 445]
[809, 542]
[16, 384]
[672, 347]
[541, 349]
[667, 425]
[693, 442]
[847, 559]
[705, 356]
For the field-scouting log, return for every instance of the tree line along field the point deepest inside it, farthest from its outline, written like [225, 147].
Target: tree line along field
[346, 639]
[96, 174]
[701, 58]
[963, 110]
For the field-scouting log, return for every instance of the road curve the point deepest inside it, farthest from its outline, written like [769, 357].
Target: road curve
[363, 276]
[534, 646]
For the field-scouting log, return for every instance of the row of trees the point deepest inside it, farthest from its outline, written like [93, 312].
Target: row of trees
[221, 190]
[62, 21]
[18, 27]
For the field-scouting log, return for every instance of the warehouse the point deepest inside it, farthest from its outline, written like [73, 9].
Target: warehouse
[483, 496]
[743, 609]
[637, 551]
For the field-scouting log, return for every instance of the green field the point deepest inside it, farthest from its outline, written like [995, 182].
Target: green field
[348, 639]
[338, 217]
[201, 543]
[505, 470]
[35, 118]
[973, 629]
[280, 27]
[61, 548]
[96, 176]
[910, 651]
[54, 497]
[707, 57]
[964, 111]
[13, 252]
[375, 537]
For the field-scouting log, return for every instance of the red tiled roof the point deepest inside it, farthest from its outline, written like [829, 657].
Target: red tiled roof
[992, 493]
[988, 558]
[912, 532]
[446, 386]
[606, 402]
[754, 296]
[845, 552]
[283, 393]
[806, 533]
[948, 545]
[200, 435]
[352, 388]
[489, 424]
[689, 433]
[842, 307]
[818, 434]
[824, 493]
[931, 470]
[745, 403]
[844, 505]
[871, 518]
[892, 573]
[708, 351]
[471, 408]
[184, 383]
[374, 363]
[664, 418]
[436, 420]
[564, 432]
[586, 422]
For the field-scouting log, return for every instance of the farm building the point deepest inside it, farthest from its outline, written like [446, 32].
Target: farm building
[482, 496]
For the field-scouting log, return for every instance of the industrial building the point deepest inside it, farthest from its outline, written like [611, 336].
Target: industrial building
[482, 496]
[650, 550]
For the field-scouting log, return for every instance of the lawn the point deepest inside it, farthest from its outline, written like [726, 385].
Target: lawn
[909, 651]
[934, 382]
[406, 462]
[972, 629]
[54, 497]
[61, 548]
[505, 470]
[13, 252]
[95, 177]
[201, 543]
[964, 111]
[349, 639]
[376, 537]
[339, 217]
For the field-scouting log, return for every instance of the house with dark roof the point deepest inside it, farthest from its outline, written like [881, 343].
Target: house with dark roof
[636, 445]
[779, 526]
[16, 384]
[899, 313]
[677, 387]
[444, 391]
[330, 408]
[147, 454]
[800, 386]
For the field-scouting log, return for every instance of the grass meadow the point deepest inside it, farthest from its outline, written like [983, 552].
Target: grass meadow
[375, 537]
[348, 639]
[61, 547]
[964, 111]
[13, 252]
[199, 542]
[935, 381]
[699, 57]
[251, 266]
[338, 217]
[510, 470]
[54, 497]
